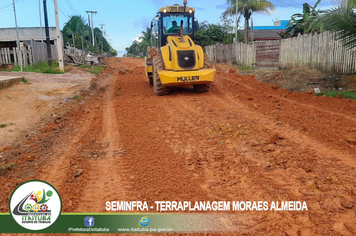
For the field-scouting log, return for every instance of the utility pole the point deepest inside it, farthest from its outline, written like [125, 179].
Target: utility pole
[39, 10]
[89, 26]
[92, 28]
[92, 24]
[102, 34]
[19, 54]
[252, 29]
[48, 41]
[237, 20]
[59, 39]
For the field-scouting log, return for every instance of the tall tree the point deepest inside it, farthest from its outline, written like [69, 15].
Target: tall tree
[75, 25]
[340, 19]
[145, 40]
[246, 8]
[74, 29]
[133, 50]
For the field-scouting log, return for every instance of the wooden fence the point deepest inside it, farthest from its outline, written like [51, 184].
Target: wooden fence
[39, 52]
[241, 53]
[30, 55]
[267, 54]
[319, 51]
[10, 56]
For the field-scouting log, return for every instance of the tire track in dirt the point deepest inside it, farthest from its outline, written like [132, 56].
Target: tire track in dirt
[352, 118]
[207, 158]
[159, 172]
[336, 131]
[69, 157]
[183, 129]
[286, 130]
[156, 170]
[106, 172]
[288, 136]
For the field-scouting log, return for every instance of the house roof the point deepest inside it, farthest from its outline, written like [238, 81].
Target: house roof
[265, 34]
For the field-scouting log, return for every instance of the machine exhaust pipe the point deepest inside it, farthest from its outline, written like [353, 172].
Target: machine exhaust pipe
[181, 23]
[181, 32]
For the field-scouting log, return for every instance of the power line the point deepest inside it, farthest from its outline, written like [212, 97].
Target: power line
[8, 6]
[80, 5]
[71, 7]
[287, 3]
[86, 3]
[62, 11]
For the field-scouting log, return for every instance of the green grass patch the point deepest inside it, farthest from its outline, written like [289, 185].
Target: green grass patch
[8, 166]
[245, 68]
[24, 81]
[96, 70]
[40, 67]
[343, 94]
[76, 97]
[3, 125]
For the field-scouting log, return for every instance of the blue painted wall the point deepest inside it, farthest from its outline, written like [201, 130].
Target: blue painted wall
[272, 27]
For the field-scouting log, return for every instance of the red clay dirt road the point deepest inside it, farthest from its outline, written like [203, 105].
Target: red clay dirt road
[242, 141]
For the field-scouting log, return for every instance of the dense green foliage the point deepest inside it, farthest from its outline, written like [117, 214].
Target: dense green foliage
[77, 33]
[340, 19]
[301, 23]
[139, 48]
[134, 50]
[210, 34]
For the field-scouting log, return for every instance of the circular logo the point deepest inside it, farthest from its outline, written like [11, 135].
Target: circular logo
[35, 205]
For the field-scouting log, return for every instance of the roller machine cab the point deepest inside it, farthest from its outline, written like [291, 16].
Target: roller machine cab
[173, 59]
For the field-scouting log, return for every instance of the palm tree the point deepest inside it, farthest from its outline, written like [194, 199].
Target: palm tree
[340, 19]
[74, 27]
[246, 8]
[145, 40]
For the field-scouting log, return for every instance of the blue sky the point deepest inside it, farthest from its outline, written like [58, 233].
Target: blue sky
[125, 19]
